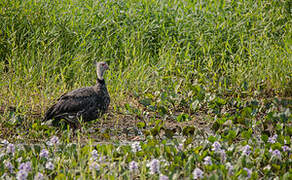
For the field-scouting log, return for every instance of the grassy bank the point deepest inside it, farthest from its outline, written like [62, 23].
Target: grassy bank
[183, 67]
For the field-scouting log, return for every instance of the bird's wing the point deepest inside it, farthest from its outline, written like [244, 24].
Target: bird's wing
[73, 102]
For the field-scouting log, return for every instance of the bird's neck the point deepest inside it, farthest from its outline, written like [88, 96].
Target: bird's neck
[100, 81]
[99, 74]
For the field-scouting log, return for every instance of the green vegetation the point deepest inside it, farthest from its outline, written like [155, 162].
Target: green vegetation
[181, 72]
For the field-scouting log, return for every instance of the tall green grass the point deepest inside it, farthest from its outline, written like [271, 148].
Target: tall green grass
[228, 48]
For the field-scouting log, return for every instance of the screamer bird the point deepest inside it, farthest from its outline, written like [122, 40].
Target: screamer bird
[84, 104]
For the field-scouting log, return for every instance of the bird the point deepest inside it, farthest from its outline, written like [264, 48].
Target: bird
[83, 104]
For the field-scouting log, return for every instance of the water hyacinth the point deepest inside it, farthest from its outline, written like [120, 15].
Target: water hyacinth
[22, 175]
[286, 148]
[2, 154]
[164, 162]
[248, 171]
[50, 165]
[19, 159]
[5, 176]
[133, 166]
[223, 155]
[246, 150]
[9, 166]
[5, 142]
[53, 141]
[273, 139]
[39, 176]
[180, 147]
[136, 147]
[207, 160]
[25, 166]
[44, 153]
[216, 146]
[163, 177]
[230, 168]
[198, 173]
[276, 153]
[10, 148]
[94, 166]
[154, 166]
[94, 155]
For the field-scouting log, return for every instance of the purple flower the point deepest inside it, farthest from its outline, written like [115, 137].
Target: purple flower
[246, 150]
[94, 154]
[223, 155]
[207, 160]
[5, 176]
[53, 141]
[198, 173]
[21, 175]
[10, 148]
[39, 176]
[286, 148]
[230, 168]
[154, 166]
[94, 166]
[19, 159]
[136, 147]
[25, 166]
[8, 165]
[133, 166]
[44, 153]
[50, 165]
[163, 177]
[180, 147]
[248, 171]
[216, 146]
[273, 139]
[276, 153]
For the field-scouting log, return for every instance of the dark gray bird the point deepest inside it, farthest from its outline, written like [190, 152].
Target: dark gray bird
[84, 104]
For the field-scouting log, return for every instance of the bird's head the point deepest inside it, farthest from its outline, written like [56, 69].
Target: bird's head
[101, 67]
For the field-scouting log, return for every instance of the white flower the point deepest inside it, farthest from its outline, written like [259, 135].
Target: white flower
[163, 177]
[136, 147]
[198, 173]
[44, 153]
[133, 166]
[21, 175]
[154, 166]
[50, 165]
